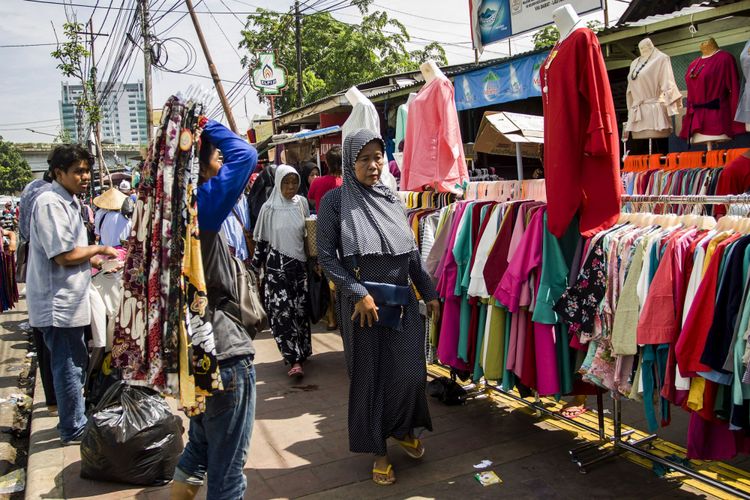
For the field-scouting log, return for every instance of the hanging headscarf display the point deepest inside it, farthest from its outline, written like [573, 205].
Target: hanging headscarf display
[8, 285]
[281, 221]
[373, 220]
[162, 336]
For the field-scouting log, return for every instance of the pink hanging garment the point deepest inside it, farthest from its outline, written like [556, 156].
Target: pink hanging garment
[433, 148]
[447, 350]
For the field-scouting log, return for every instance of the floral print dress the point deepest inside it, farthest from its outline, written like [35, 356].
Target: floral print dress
[286, 301]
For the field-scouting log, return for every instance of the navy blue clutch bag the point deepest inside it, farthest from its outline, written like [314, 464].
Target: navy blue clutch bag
[391, 300]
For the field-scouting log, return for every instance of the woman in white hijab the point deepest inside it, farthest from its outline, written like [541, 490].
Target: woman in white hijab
[280, 251]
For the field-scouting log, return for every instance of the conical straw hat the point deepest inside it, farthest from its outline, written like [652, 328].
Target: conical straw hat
[112, 199]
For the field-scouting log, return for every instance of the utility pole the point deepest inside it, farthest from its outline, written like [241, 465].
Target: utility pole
[212, 68]
[95, 99]
[298, 37]
[147, 70]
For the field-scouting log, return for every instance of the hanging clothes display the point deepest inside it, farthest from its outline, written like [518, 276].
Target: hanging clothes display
[581, 149]
[713, 87]
[402, 115]
[162, 337]
[652, 96]
[8, 285]
[500, 270]
[533, 189]
[660, 307]
[433, 148]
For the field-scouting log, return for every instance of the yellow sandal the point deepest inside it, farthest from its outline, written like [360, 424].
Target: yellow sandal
[377, 475]
[412, 446]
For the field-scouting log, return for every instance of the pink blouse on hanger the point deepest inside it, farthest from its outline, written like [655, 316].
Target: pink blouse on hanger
[433, 149]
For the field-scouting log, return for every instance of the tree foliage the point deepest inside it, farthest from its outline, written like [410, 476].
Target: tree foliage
[72, 55]
[335, 55]
[549, 35]
[15, 171]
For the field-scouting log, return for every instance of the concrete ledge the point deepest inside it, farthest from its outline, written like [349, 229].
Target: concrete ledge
[46, 455]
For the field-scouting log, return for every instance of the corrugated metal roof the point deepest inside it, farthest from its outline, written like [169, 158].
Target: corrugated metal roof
[641, 10]
[660, 12]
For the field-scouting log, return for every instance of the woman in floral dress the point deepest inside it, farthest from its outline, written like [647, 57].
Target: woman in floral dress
[280, 252]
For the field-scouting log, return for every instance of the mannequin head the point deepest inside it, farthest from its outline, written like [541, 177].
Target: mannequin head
[354, 96]
[430, 71]
[708, 47]
[565, 17]
[646, 47]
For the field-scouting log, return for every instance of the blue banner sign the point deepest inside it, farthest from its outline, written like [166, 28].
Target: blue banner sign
[506, 82]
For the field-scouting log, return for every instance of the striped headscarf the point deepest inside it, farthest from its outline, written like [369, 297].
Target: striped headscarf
[373, 220]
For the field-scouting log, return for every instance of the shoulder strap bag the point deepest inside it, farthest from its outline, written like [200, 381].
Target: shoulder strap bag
[390, 299]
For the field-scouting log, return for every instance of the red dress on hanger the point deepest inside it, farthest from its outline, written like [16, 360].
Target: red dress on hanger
[581, 149]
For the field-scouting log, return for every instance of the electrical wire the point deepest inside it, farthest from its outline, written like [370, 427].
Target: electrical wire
[20, 45]
[222, 32]
[418, 16]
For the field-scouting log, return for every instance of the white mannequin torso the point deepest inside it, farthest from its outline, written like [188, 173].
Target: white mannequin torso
[566, 19]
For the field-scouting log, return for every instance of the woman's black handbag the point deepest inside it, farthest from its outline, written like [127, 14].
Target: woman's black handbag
[390, 299]
[317, 286]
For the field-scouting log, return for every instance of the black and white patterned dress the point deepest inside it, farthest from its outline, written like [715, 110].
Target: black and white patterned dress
[386, 367]
[286, 301]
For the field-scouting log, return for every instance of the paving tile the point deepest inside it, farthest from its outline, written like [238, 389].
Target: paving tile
[300, 448]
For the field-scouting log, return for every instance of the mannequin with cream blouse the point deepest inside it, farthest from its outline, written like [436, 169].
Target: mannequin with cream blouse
[652, 96]
[709, 48]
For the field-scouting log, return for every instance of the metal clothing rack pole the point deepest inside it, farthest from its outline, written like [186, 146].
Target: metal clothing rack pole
[536, 404]
[621, 446]
[739, 199]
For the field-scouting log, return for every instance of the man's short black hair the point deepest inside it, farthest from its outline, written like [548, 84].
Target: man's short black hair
[206, 152]
[333, 160]
[65, 156]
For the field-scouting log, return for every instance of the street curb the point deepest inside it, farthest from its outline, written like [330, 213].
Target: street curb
[46, 454]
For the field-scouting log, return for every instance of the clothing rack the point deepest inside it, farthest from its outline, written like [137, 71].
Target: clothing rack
[592, 453]
[607, 446]
[674, 161]
[740, 199]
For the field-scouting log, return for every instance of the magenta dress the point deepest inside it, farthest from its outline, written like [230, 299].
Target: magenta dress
[513, 293]
[447, 350]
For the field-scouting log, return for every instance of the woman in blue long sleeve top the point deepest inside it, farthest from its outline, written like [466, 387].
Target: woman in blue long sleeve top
[219, 438]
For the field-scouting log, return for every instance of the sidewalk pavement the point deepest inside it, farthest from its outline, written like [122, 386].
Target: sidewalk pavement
[300, 449]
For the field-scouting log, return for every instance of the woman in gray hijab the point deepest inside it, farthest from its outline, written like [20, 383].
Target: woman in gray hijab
[364, 238]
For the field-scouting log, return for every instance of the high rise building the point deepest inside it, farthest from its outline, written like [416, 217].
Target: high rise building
[123, 113]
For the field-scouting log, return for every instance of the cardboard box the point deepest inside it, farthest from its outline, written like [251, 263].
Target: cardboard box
[500, 131]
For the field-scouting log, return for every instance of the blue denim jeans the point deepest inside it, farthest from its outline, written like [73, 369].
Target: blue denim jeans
[219, 438]
[68, 359]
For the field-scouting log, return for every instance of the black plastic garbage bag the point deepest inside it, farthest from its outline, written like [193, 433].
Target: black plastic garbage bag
[131, 437]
